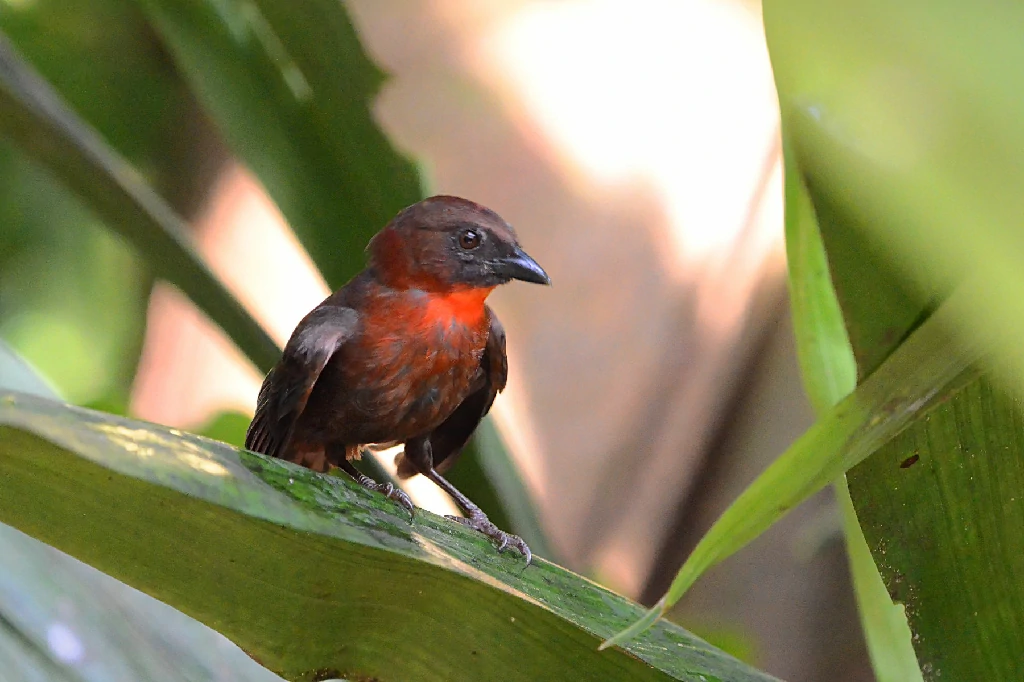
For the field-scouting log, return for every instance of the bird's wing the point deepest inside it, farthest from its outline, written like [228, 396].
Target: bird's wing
[448, 439]
[286, 389]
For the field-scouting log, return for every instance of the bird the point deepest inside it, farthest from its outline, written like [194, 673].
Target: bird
[406, 352]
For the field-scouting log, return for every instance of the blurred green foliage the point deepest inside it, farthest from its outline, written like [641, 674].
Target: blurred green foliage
[938, 502]
[289, 88]
[905, 120]
[72, 296]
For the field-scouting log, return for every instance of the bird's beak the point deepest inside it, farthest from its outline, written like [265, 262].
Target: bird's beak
[518, 265]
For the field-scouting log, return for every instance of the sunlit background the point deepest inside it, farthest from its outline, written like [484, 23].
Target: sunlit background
[634, 145]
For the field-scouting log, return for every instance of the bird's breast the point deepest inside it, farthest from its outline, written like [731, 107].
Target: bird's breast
[412, 365]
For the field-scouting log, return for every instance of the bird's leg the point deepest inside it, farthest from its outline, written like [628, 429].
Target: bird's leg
[418, 452]
[388, 489]
[476, 519]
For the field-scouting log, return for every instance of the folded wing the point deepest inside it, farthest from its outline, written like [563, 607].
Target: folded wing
[286, 389]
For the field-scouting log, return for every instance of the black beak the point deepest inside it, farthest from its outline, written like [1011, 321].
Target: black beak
[518, 265]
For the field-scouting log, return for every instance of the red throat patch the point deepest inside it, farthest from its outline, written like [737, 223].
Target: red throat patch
[463, 305]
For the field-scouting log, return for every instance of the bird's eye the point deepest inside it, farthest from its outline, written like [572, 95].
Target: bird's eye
[469, 239]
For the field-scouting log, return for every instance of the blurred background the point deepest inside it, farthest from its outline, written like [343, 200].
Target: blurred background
[635, 147]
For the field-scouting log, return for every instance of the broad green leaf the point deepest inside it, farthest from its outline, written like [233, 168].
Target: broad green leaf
[312, 576]
[36, 120]
[829, 371]
[886, 631]
[907, 131]
[906, 119]
[879, 310]
[289, 87]
[942, 512]
[925, 370]
[62, 620]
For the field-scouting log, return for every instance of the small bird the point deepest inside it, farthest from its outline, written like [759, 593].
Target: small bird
[405, 352]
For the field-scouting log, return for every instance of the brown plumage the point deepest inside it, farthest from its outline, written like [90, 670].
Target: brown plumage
[405, 352]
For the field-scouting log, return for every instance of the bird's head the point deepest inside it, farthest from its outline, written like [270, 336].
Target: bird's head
[446, 243]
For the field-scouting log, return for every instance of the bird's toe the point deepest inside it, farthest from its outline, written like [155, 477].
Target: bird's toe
[503, 540]
[399, 496]
[390, 491]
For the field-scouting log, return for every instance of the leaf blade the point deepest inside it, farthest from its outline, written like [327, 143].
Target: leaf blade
[35, 118]
[923, 181]
[295, 109]
[926, 369]
[308, 573]
[830, 372]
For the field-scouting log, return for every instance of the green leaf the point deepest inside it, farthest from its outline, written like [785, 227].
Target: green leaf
[37, 121]
[886, 631]
[62, 620]
[289, 87]
[910, 127]
[885, 490]
[943, 514]
[925, 370]
[829, 371]
[907, 130]
[823, 349]
[313, 576]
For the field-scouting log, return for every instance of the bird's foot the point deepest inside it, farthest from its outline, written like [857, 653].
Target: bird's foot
[481, 523]
[390, 491]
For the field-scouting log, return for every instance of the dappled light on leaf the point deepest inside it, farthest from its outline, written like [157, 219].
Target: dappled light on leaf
[284, 548]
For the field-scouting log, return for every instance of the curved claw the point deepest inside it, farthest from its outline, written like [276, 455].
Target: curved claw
[524, 548]
[398, 496]
[389, 491]
[505, 540]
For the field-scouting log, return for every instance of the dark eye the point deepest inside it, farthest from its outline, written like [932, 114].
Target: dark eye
[469, 239]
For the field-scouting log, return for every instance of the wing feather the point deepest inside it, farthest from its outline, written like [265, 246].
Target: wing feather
[286, 389]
